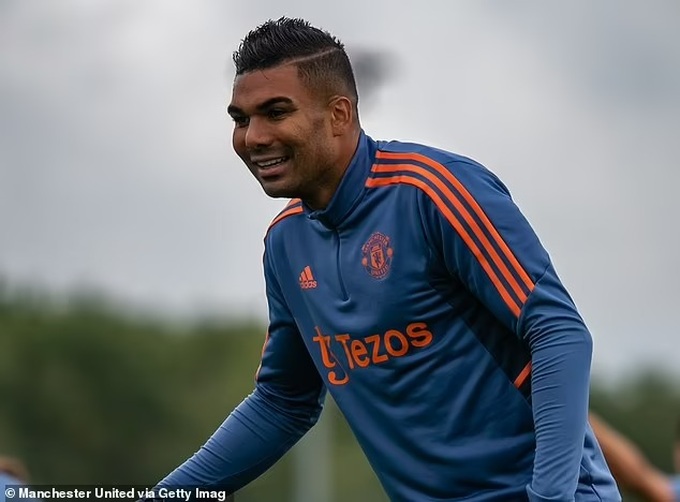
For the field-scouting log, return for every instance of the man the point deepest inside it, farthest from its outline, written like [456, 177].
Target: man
[632, 470]
[403, 280]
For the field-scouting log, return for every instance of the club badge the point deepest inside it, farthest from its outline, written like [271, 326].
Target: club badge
[377, 255]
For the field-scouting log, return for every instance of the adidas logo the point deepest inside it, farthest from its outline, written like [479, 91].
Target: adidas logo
[307, 279]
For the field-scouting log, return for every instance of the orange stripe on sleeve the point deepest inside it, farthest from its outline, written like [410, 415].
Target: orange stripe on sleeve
[523, 375]
[512, 281]
[395, 180]
[289, 210]
[473, 204]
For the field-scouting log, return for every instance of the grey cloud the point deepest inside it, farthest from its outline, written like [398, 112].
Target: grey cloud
[116, 167]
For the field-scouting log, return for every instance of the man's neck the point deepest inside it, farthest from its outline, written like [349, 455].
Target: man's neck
[347, 151]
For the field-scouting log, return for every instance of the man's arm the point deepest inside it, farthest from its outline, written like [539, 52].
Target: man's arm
[561, 351]
[285, 404]
[488, 244]
[630, 467]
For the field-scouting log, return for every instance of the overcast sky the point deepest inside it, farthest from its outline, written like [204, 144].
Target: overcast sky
[116, 168]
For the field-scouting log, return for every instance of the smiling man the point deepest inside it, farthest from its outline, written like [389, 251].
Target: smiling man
[403, 280]
[283, 131]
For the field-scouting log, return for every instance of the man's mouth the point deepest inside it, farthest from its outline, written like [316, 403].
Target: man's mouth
[270, 163]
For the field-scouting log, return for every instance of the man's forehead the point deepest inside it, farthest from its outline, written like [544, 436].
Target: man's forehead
[282, 79]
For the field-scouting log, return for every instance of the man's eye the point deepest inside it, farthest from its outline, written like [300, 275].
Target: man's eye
[276, 113]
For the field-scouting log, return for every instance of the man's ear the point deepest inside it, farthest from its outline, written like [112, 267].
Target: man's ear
[342, 114]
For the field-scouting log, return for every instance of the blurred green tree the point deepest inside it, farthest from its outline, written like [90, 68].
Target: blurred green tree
[92, 393]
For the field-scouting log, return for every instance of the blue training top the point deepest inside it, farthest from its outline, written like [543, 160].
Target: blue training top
[422, 300]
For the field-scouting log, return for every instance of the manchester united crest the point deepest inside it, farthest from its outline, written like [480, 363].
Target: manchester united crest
[377, 255]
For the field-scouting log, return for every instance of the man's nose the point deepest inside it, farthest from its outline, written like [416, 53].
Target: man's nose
[258, 133]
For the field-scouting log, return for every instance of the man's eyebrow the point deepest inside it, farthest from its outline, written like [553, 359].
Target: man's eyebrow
[275, 101]
[235, 110]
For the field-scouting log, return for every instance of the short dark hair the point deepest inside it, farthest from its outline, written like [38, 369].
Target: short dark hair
[323, 63]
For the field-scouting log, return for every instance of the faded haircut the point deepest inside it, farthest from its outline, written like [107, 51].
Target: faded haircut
[321, 59]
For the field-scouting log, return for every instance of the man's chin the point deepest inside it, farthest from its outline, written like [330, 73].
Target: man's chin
[278, 192]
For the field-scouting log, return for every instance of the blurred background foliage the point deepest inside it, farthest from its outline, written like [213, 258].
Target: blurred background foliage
[91, 392]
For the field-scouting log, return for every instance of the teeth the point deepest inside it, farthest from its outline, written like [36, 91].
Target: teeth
[270, 163]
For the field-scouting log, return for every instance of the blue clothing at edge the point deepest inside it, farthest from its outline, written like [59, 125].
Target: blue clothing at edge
[7, 480]
[675, 482]
[418, 298]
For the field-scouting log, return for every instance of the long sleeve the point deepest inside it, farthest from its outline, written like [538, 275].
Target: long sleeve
[561, 349]
[285, 404]
[487, 244]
